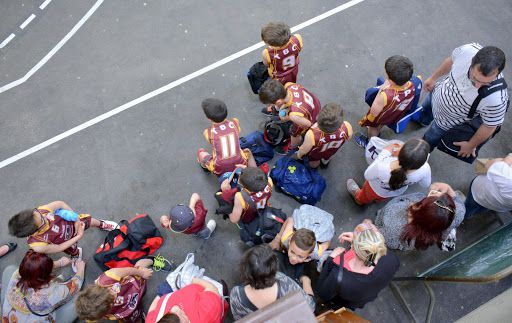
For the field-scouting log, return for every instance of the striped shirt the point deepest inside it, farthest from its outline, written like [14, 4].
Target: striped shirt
[454, 94]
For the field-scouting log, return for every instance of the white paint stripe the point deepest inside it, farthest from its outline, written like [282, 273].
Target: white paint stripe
[44, 4]
[162, 89]
[54, 50]
[6, 41]
[27, 21]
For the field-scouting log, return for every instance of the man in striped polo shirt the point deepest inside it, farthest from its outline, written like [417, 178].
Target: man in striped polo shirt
[469, 67]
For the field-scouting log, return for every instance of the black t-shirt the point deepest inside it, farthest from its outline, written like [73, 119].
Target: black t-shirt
[292, 271]
[356, 289]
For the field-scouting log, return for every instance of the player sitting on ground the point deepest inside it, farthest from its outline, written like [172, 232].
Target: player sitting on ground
[393, 99]
[282, 54]
[295, 104]
[47, 232]
[223, 136]
[325, 137]
[254, 195]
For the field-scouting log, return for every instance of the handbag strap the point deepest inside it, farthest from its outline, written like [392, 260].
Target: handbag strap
[48, 312]
[484, 91]
[339, 277]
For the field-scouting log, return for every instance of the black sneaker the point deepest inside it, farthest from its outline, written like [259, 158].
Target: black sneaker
[282, 150]
[270, 110]
[361, 140]
[324, 164]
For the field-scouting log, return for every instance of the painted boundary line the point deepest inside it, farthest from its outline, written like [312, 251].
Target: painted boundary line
[6, 41]
[27, 21]
[165, 88]
[44, 4]
[54, 50]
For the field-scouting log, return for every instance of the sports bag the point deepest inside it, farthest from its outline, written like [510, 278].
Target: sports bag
[257, 75]
[260, 149]
[375, 146]
[297, 179]
[277, 133]
[134, 240]
[465, 131]
[264, 228]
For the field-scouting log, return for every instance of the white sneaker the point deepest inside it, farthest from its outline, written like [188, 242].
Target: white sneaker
[211, 225]
[107, 225]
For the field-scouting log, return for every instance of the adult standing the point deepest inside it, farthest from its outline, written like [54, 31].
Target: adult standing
[492, 191]
[469, 68]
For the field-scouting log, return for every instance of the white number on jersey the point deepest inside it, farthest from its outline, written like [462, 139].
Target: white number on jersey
[288, 62]
[228, 146]
[309, 99]
[331, 145]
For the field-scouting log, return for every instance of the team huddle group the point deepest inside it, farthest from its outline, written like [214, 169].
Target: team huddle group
[348, 276]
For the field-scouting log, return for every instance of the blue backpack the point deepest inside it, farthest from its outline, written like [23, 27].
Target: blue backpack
[261, 150]
[297, 179]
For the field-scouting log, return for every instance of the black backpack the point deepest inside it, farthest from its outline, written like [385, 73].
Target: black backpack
[257, 75]
[277, 133]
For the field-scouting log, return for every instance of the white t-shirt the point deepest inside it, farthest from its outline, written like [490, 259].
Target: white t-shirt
[494, 190]
[379, 173]
[454, 94]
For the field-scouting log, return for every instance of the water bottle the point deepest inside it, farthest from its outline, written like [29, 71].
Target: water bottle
[67, 214]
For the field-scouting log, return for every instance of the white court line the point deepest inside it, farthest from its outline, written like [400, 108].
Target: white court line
[6, 41]
[44, 4]
[54, 50]
[165, 88]
[27, 21]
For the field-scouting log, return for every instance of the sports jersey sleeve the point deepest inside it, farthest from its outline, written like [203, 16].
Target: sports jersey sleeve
[294, 111]
[206, 135]
[299, 37]
[270, 182]
[310, 137]
[266, 56]
[349, 128]
[240, 198]
[107, 278]
[235, 120]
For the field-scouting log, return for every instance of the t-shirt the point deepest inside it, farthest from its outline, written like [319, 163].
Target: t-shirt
[379, 173]
[199, 305]
[494, 190]
[241, 305]
[356, 289]
[454, 94]
[199, 216]
[128, 295]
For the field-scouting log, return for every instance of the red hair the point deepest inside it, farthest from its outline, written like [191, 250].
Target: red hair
[430, 217]
[35, 271]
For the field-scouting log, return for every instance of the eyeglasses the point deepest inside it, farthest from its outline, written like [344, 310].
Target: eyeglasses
[474, 81]
[442, 206]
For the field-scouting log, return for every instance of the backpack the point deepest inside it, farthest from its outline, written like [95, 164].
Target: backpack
[260, 149]
[257, 75]
[277, 133]
[132, 241]
[264, 228]
[297, 179]
[414, 110]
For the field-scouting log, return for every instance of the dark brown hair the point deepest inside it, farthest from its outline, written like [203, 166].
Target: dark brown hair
[399, 69]
[412, 155]
[304, 239]
[276, 33]
[271, 91]
[253, 179]
[214, 109]
[258, 267]
[330, 117]
[22, 224]
[489, 59]
[94, 302]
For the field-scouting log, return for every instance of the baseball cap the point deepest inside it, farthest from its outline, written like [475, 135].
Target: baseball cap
[182, 218]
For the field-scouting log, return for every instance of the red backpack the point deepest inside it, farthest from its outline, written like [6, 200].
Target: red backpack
[132, 241]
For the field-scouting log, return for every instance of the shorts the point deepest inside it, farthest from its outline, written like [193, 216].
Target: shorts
[199, 219]
[211, 165]
[296, 131]
[85, 218]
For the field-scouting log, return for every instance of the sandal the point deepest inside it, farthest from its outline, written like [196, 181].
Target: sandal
[12, 246]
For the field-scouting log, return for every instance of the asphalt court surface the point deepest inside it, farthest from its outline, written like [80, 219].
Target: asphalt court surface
[143, 159]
